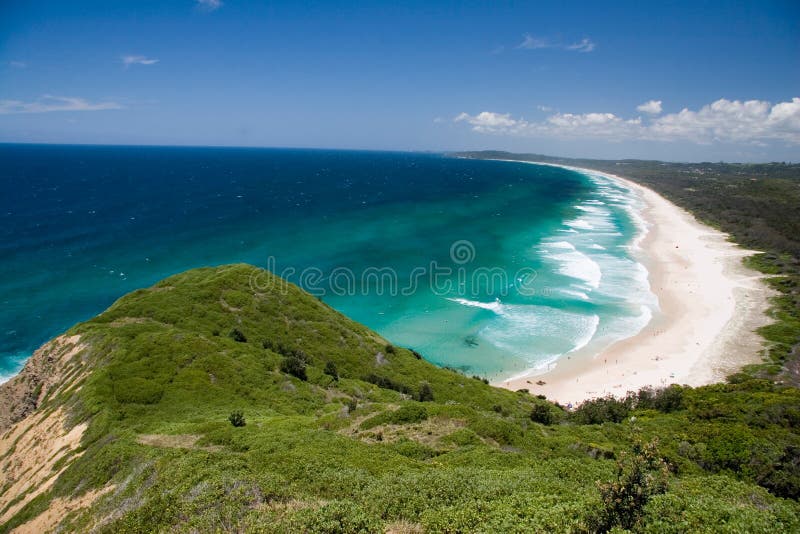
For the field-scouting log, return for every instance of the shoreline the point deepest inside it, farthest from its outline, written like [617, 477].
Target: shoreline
[710, 306]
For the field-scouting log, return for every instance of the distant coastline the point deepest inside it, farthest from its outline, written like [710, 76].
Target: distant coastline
[710, 306]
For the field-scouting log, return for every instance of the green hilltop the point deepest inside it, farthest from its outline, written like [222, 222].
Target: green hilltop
[223, 399]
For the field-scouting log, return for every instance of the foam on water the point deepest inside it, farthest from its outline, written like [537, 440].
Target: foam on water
[496, 306]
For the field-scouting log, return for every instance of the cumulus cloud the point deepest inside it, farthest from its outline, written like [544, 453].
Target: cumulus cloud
[209, 5]
[751, 121]
[529, 42]
[488, 122]
[48, 103]
[651, 107]
[138, 60]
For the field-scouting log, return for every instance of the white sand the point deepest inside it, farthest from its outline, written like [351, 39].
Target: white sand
[710, 305]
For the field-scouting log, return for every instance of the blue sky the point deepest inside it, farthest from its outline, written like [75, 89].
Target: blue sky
[679, 81]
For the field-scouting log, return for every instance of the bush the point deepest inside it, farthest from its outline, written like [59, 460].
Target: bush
[237, 418]
[330, 370]
[295, 366]
[341, 517]
[640, 476]
[136, 390]
[666, 400]
[237, 335]
[425, 392]
[541, 413]
[390, 349]
[405, 415]
[387, 383]
[602, 410]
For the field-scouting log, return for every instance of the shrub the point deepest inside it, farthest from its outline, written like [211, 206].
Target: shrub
[330, 370]
[416, 354]
[390, 349]
[237, 335]
[295, 366]
[237, 418]
[405, 415]
[666, 400]
[337, 516]
[602, 410]
[541, 413]
[136, 390]
[425, 392]
[387, 383]
[640, 476]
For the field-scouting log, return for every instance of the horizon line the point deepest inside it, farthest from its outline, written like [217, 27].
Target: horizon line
[396, 150]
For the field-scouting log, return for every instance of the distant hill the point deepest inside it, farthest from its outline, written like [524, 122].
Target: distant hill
[126, 424]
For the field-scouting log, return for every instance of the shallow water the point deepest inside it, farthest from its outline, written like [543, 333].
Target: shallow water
[487, 266]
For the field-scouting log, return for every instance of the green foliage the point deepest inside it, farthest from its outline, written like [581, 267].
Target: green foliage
[470, 459]
[602, 410]
[425, 392]
[340, 517]
[137, 390]
[331, 370]
[640, 476]
[237, 335]
[237, 418]
[295, 366]
[407, 414]
[543, 414]
[387, 383]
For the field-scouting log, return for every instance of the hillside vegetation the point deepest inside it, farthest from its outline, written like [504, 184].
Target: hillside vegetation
[202, 404]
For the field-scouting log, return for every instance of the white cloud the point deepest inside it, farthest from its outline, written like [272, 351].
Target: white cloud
[585, 45]
[749, 122]
[488, 122]
[529, 42]
[138, 60]
[209, 5]
[17, 64]
[652, 107]
[48, 103]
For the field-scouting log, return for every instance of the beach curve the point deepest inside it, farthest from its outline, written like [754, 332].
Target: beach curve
[710, 306]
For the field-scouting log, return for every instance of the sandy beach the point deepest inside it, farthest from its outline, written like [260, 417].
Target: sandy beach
[710, 305]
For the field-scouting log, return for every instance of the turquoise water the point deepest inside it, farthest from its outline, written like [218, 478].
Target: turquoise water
[487, 266]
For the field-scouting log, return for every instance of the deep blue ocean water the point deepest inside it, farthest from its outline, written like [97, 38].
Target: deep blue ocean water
[488, 266]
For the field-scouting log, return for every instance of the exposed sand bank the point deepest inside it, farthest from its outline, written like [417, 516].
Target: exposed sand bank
[710, 305]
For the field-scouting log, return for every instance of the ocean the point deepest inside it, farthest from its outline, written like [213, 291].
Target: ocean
[494, 268]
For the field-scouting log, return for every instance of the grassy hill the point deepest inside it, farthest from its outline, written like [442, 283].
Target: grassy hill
[124, 424]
